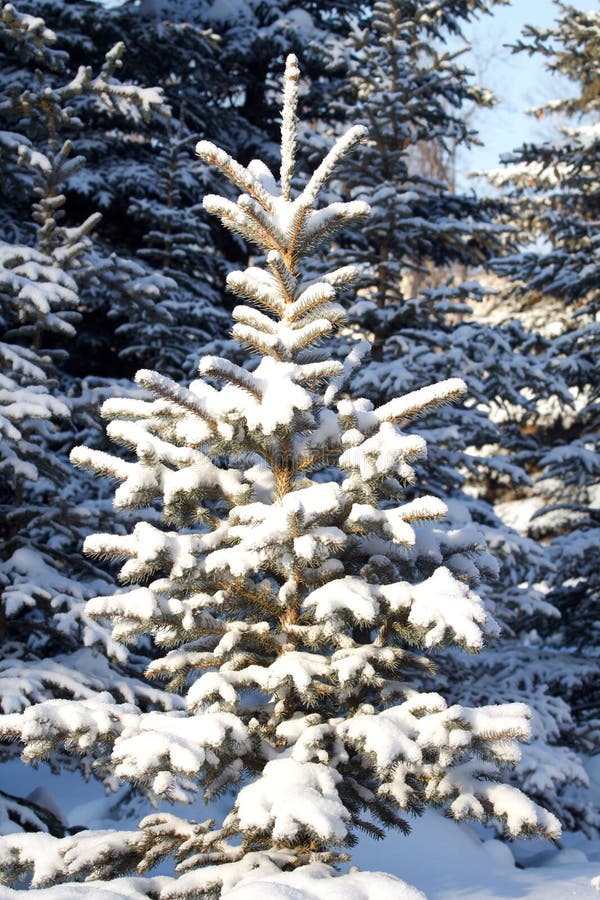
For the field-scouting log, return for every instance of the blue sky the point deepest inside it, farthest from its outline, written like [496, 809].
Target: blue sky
[518, 81]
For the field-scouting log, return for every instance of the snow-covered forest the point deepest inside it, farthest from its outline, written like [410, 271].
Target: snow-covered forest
[299, 470]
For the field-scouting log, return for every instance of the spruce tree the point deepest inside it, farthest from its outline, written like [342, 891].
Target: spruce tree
[133, 304]
[409, 86]
[47, 266]
[551, 284]
[295, 597]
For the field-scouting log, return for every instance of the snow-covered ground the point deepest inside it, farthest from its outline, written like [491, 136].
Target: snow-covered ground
[441, 859]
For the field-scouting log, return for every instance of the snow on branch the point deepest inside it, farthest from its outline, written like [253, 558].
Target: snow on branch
[420, 401]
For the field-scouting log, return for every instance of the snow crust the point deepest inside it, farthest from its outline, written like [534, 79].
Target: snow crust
[440, 606]
[315, 882]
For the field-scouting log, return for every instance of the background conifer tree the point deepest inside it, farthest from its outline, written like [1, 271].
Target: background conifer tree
[131, 305]
[409, 86]
[295, 595]
[551, 284]
[47, 267]
[408, 79]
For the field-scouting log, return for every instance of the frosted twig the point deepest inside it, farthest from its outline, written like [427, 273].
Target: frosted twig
[342, 146]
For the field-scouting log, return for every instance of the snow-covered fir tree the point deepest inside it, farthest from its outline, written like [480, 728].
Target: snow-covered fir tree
[552, 284]
[296, 598]
[46, 266]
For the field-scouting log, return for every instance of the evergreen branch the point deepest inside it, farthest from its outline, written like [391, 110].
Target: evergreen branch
[418, 402]
[238, 222]
[228, 371]
[236, 173]
[247, 285]
[355, 135]
[253, 318]
[310, 299]
[283, 275]
[168, 389]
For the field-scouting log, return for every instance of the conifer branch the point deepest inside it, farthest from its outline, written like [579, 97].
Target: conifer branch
[234, 172]
[253, 285]
[420, 401]
[355, 135]
[228, 371]
[237, 221]
[168, 389]
[283, 275]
